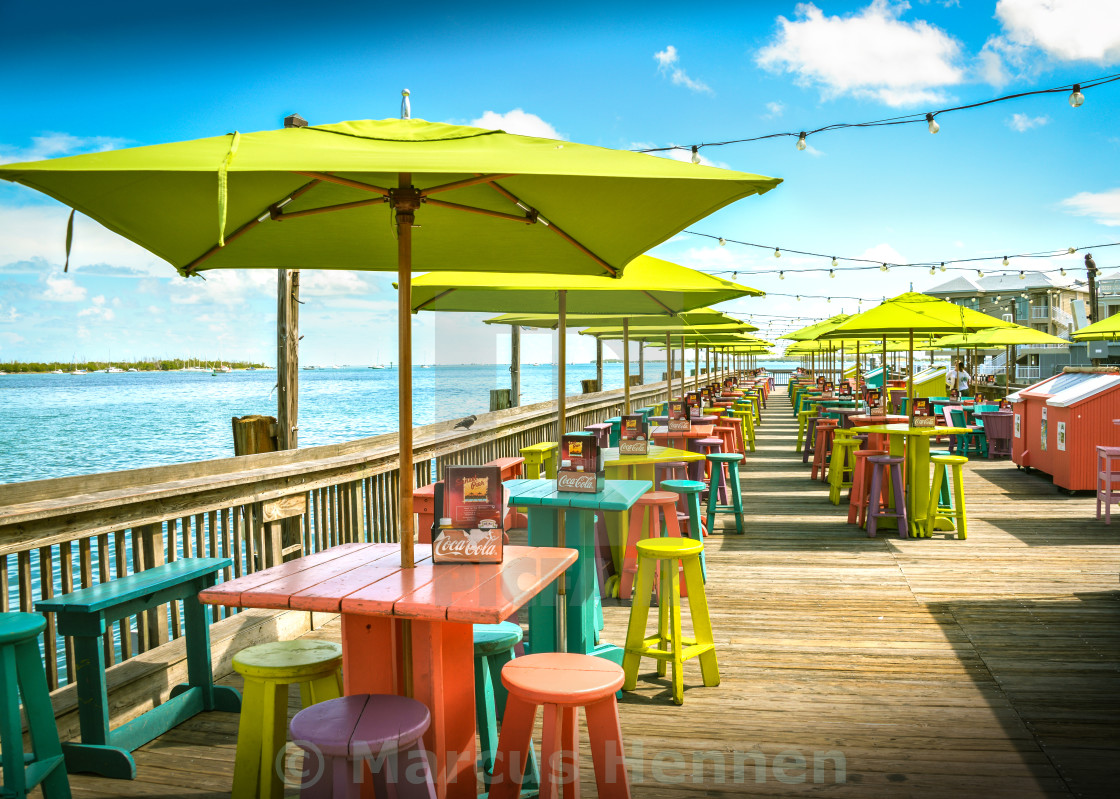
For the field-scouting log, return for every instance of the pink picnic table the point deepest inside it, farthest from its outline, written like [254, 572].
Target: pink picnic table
[384, 607]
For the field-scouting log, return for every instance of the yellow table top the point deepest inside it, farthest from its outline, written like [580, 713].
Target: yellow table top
[657, 454]
[907, 430]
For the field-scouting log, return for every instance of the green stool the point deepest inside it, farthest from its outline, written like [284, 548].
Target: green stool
[23, 678]
[494, 647]
[943, 501]
[732, 460]
[690, 490]
[840, 467]
[954, 462]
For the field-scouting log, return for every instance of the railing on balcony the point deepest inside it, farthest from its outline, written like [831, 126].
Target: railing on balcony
[1040, 312]
[1027, 373]
[73, 532]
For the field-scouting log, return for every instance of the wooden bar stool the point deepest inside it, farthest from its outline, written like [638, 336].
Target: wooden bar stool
[810, 436]
[718, 460]
[384, 731]
[689, 491]
[672, 470]
[668, 645]
[494, 647]
[877, 507]
[822, 446]
[840, 469]
[1108, 480]
[705, 446]
[25, 681]
[561, 683]
[602, 432]
[731, 431]
[646, 515]
[942, 463]
[861, 485]
[268, 669]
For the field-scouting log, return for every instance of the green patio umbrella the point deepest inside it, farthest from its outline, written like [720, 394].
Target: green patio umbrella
[996, 337]
[1099, 331]
[912, 313]
[648, 286]
[347, 196]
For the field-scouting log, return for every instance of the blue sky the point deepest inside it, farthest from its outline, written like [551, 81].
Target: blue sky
[1023, 176]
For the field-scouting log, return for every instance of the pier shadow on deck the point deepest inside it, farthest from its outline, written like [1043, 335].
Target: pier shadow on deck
[851, 667]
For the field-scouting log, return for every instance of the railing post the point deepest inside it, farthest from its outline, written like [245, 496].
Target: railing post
[148, 550]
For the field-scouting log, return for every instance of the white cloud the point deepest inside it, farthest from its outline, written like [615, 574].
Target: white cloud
[1024, 122]
[774, 110]
[8, 314]
[98, 312]
[870, 54]
[333, 283]
[520, 122]
[1103, 207]
[668, 63]
[221, 287]
[1066, 30]
[51, 145]
[63, 289]
[98, 300]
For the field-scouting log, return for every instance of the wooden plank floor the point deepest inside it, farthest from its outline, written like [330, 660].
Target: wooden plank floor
[852, 667]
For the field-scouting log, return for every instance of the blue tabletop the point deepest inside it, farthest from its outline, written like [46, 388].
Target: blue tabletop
[616, 495]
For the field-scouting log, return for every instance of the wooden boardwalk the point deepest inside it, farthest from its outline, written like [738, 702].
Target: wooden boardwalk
[853, 667]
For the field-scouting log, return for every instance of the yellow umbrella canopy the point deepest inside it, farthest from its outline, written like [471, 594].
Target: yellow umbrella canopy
[1098, 331]
[811, 332]
[700, 316]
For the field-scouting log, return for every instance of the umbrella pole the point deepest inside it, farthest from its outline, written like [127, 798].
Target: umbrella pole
[405, 206]
[684, 360]
[561, 368]
[642, 362]
[626, 364]
[669, 366]
[1007, 370]
[910, 379]
[696, 368]
[515, 366]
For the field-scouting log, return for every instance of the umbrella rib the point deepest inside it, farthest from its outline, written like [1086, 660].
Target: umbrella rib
[430, 300]
[353, 184]
[526, 219]
[328, 208]
[513, 198]
[462, 184]
[272, 211]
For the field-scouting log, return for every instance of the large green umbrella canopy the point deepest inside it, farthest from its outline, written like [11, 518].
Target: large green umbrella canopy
[1098, 331]
[647, 286]
[814, 330]
[701, 316]
[912, 313]
[996, 337]
[347, 196]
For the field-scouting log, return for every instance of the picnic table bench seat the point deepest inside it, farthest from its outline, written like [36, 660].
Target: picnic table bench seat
[87, 614]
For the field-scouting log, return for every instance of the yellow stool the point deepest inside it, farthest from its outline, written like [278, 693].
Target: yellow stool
[746, 418]
[803, 418]
[668, 644]
[844, 445]
[540, 460]
[268, 670]
[954, 462]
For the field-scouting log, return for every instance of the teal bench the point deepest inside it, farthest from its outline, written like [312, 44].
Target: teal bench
[86, 615]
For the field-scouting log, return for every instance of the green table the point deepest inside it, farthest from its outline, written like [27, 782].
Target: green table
[913, 444]
[570, 626]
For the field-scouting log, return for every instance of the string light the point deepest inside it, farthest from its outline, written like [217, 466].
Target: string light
[1005, 261]
[1071, 250]
[932, 123]
[979, 273]
[723, 242]
[933, 270]
[1076, 98]
[942, 266]
[1022, 275]
[801, 145]
[695, 154]
[777, 253]
[831, 273]
[884, 268]
[781, 276]
[1063, 271]
[834, 260]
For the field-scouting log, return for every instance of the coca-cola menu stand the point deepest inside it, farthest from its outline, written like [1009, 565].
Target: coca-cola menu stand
[441, 603]
[544, 505]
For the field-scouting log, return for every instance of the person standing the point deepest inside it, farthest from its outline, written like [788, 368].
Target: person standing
[958, 380]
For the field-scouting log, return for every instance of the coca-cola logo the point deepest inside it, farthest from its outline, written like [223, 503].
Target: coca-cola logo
[575, 481]
[633, 447]
[474, 546]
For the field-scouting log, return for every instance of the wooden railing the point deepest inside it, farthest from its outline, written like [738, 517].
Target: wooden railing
[73, 532]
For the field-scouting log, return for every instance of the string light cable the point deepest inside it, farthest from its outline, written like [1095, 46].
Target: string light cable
[1076, 100]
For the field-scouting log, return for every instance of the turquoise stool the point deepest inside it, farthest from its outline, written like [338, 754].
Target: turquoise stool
[732, 460]
[616, 429]
[23, 677]
[943, 502]
[494, 647]
[690, 490]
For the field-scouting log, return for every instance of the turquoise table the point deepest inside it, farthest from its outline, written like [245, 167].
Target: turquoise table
[575, 628]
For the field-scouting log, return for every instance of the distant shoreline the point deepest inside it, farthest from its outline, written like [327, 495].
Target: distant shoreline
[167, 365]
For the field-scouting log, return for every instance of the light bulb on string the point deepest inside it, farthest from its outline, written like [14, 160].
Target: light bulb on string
[1005, 261]
[933, 126]
[834, 260]
[801, 145]
[832, 273]
[734, 275]
[799, 298]
[1071, 250]
[942, 266]
[1063, 271]
[695, 154]
[1076, 98]
[722, 242]
[933, 270]
[979, 273]
[781, 275]
[884, 268]
[1022, 275]
[777, 253]
[828, 299]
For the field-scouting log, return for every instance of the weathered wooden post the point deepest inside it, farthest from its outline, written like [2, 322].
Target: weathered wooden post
[641, 362]
[598, 364]
[515, 366]
[287, 359]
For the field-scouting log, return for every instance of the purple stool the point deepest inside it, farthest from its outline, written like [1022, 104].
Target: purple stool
[709, 446]
[810, 448]
[874, 502]
[670, 470]
[384, 730]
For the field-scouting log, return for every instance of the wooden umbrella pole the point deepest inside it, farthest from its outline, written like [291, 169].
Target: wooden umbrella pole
[625, 364]
[405, 202]
[561, 368]
[1007, 370]
[910, 379]
[696, 367]
[669, 366]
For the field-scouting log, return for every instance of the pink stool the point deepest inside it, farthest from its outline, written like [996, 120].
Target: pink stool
[383, 730]
[861, 485]
[646, 515]
[561, 683]
[671, 470]
[602, 432]
[1108, 480]
[706, 446]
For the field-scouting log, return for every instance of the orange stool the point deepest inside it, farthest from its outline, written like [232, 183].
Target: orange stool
[654, 504]
[731, 431]
[823, 446]
[562, 683]
[861, 485]
[424, 505]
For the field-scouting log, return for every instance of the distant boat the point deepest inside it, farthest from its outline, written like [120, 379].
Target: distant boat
[250, 368]
[220, 369]
[79, 372]
[133, 369]
[55, 372]
[114, 370]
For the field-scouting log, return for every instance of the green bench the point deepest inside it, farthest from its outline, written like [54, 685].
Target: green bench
[86, 615]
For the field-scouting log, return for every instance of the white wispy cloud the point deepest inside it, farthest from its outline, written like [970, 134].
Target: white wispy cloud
[52, 145]
[520, 122]
[668, 63]
[333, 283]
[871, 54]
[774, 110]
[98, 312]
[61, 288]
[1103, 207]
[1024, 122]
